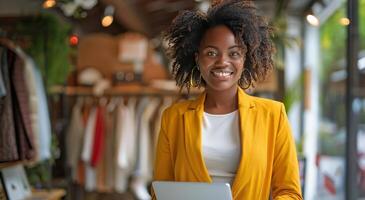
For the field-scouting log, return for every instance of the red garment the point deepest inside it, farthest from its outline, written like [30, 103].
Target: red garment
[329, 184]
[99, 136]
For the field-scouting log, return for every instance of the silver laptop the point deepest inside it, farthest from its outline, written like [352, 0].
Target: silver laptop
[165, 190]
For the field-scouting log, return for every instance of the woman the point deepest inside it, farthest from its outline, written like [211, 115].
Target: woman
[226, 135]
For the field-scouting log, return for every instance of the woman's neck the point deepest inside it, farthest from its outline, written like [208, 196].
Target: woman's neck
[221, 102]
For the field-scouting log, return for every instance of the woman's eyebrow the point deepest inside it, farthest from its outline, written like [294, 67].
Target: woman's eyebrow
[210, 46]
[236, 46]
[214, 47]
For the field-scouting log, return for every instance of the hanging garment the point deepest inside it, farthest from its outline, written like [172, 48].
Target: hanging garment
[17, 92]
[21, 109]
[39, 113]
[30, 80]
[143, 103]
[90, 174]
[74, 139]
[143, 172]
[107, 182]
[8, 146]
[44, 123]
[127, 136]
[2, 79]
[144, 168]
[124, 146]
[80, 178]
[167, 101]
[90, 178]
[99, 136]
[89, 136]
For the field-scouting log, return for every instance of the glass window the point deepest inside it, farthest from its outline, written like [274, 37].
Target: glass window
[332, 133]
[361, 100]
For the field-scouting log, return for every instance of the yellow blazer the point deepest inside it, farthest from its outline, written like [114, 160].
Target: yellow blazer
[268, 163]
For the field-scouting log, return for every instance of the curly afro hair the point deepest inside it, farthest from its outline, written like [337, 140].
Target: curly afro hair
[251, 31]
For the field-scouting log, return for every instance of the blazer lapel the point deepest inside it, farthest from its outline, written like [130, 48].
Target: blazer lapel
[193, 139]
[246, 124]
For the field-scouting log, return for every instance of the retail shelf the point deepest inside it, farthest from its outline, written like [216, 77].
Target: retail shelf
[52, 194]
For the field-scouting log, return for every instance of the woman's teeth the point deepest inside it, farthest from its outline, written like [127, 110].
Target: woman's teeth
[222, 74]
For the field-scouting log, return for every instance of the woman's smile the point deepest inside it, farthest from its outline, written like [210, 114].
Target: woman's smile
[222, 74]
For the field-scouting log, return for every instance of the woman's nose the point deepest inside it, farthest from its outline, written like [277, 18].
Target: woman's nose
[222, 60]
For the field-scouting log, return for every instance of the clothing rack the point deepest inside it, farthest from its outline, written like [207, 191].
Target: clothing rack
[130, 176]
[124, 90]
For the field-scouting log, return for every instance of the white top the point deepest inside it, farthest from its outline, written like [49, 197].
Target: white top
[221, 145]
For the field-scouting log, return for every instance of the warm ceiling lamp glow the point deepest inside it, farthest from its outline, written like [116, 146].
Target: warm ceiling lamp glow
[107, 21]
[312, 20]
[49, 3]
[344, 21]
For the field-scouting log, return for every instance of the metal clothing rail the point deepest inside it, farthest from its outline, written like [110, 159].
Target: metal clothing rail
[127, 90]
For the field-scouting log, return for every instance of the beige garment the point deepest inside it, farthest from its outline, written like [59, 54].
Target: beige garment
[106, 168]
[74, 139]
[167, 101]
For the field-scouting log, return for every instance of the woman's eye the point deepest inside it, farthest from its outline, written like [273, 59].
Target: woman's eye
[235, 54]
[211, 53]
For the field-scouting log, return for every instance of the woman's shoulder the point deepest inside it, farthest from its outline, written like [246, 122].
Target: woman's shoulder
[268, 105]
[178, 107]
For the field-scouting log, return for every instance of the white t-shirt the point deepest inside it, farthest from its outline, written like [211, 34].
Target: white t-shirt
[221, 145]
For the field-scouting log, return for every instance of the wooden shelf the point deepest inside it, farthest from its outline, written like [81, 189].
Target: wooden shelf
[53, 194]
[10, 164]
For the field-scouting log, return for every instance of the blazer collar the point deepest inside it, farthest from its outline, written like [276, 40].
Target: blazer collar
[244, 100]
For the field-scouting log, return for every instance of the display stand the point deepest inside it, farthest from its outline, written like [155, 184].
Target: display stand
[15, 185]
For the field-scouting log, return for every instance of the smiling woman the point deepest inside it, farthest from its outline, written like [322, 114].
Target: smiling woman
[226, 135]
[220, 59]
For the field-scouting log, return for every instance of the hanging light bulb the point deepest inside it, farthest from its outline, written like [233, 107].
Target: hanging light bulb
[108, 16]
[107, 21]
[312, 20]
[49, 4]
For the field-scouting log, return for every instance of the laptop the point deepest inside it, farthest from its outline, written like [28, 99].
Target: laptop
[165, 190]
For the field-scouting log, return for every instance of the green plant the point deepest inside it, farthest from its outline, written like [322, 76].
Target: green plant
[47, 39]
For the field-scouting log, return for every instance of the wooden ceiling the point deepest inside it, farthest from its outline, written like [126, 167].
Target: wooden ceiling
[153, 16]
[149, 17]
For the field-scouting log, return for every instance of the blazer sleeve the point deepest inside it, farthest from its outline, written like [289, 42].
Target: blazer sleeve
[285, 177]
[163, 167]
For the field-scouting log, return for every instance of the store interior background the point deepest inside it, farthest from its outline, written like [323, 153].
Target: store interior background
[98, 50]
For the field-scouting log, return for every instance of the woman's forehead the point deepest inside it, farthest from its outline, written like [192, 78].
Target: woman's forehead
[220, 37]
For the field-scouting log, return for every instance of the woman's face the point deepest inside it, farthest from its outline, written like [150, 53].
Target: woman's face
[220, 59]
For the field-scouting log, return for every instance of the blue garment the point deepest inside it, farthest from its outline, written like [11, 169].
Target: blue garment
[45, 133]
